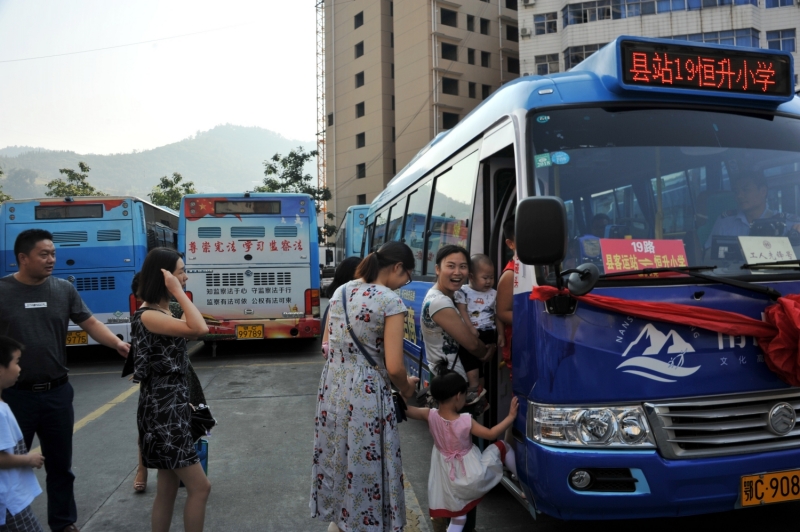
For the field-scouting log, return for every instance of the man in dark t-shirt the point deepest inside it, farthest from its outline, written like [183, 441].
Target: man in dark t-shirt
[35, 309]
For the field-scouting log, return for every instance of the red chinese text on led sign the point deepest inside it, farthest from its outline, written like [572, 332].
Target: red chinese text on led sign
[714, 70]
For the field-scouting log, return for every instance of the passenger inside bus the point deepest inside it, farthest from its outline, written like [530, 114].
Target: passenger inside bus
[599, 223]
[751, 199]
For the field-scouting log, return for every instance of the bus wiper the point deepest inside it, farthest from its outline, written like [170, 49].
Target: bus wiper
[693, 271]
[767, 265]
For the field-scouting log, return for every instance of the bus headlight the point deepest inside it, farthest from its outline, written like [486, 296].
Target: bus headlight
[613, 426]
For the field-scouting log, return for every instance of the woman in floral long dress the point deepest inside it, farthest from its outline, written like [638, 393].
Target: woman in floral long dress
[357, 473]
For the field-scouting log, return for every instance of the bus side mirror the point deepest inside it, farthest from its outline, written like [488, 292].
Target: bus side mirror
[541, 230]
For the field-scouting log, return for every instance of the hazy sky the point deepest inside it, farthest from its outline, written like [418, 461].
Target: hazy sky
[260, 72]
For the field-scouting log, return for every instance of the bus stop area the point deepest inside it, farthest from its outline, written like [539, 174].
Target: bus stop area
[263, 394]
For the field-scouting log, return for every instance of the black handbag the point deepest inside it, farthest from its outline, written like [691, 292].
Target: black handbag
[397, 399]
[202, 421]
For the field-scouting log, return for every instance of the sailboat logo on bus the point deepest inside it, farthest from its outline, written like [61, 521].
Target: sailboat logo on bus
[646, 365]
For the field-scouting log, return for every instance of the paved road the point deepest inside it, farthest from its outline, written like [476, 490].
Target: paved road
[263, 394]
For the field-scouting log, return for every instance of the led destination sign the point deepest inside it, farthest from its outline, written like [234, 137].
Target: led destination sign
[706, 69]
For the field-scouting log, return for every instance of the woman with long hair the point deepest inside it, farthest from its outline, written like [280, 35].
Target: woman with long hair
[164, 412]
[357, 473]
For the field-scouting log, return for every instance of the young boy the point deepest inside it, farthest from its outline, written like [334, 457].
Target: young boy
[18, 484]
[476, 304]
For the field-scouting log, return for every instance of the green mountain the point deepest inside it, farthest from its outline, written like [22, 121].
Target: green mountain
[224, 159]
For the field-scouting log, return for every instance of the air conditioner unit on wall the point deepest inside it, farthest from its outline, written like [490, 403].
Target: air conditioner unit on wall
[525, 32]
[528, 2]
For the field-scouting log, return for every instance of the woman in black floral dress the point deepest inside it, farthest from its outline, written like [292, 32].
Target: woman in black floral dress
[164, 413]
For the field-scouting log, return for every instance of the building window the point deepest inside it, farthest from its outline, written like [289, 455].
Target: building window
[361, 171]
[471, 56]
[512, 33]
[486, 90]
[512, 65]
[473, 90]
[546, 64]
[449, 51]
[511, 4]
[545, 23]
[330, 119]
[449, 120]
[392, 102]
[391, 9]
[741, 37]
[781, 40]
[575, 54]
[358, 20]
[484, 26]
[485, 59]
[393, 133]
[359, 79]
[394, 166]
[779, 3]
[450, 86]
[392, 70]
[584, 12]
[361, 140]
[449, 17]
[361, 199]
[359, 110]
[470, 22]
[359, 49]
[391, 39]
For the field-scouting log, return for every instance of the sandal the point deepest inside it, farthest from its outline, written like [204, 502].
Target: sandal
[139, 486]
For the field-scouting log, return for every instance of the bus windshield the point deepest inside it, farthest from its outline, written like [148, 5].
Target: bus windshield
[666, 187]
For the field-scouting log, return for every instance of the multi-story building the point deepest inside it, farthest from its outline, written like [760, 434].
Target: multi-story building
[555, 35]
[399, 73]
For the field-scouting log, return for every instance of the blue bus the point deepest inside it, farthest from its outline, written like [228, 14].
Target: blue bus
[253, 263]
[655, 171]
[351, 233]
[101, 242]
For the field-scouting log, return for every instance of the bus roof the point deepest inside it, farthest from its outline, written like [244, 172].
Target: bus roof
[88, 199]
[595, 80]
[249, 195]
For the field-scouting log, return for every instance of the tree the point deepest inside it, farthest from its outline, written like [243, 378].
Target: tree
[169, 192]
[3, 197]
[285, 174]
[75, 185]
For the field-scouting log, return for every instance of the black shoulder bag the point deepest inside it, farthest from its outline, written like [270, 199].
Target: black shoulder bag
[397, 399]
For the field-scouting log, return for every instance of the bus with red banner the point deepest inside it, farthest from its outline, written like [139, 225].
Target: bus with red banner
[655, 195]
[253, 264]
[100, 241]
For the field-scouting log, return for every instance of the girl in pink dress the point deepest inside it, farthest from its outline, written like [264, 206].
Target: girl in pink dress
[460, 474]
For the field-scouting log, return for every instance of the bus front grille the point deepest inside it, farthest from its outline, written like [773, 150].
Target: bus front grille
[272, 278]
[84, 284]
[723, 425]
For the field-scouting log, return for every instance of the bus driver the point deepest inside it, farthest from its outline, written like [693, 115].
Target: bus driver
[751, 197]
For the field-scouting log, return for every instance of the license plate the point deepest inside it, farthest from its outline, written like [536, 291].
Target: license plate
[77, 338]
[770, 488]
[249, 332]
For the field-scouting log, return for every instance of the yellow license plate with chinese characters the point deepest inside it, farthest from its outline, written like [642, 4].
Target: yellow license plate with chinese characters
[770, 488]
[77, 338]
[249, 332]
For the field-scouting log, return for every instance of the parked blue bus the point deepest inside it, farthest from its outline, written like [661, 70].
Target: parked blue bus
[253, 263]
[101, 242]
[351, 233]
[656, 154]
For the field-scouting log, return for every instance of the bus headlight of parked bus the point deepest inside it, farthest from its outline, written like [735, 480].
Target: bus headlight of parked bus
[597, 426]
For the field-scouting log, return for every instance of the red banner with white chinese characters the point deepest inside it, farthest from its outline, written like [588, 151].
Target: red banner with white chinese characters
[630, 254]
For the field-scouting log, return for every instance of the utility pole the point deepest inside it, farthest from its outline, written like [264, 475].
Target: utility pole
[321, 115]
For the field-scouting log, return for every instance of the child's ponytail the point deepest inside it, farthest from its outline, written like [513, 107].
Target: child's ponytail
[447, 383]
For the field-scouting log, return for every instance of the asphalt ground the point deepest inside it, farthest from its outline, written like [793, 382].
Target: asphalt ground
[263, 395]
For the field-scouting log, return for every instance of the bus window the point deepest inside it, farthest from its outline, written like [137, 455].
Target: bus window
[452, 208]
[396, 221]
[415, 223]
[379, 236]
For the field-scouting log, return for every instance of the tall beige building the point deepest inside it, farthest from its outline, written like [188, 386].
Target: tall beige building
[399, 73]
